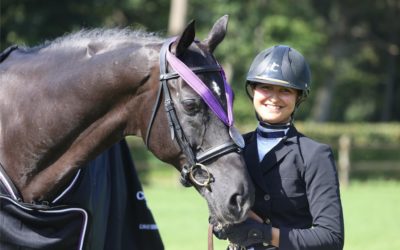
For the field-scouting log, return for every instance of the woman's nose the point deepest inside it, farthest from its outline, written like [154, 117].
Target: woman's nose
[273, 95]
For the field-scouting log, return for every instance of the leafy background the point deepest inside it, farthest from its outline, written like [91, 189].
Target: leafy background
[352, 46]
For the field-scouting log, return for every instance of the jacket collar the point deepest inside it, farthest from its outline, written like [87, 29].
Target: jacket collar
[279, 151]
[271, 159]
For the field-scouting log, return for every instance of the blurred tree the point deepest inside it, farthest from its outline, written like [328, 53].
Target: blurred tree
[359, 61]
[31, 21]
[177, 16]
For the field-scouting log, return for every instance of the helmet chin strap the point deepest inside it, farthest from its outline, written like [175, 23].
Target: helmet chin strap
[300, 99]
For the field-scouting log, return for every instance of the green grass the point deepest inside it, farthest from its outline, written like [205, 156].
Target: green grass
[182, 217]
[371, 211]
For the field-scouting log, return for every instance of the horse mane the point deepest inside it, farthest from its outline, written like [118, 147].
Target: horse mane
[105, 36]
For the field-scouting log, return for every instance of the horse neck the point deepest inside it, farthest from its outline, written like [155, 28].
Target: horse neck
[69, 114]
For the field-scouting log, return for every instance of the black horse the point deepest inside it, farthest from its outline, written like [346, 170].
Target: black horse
[63, 103]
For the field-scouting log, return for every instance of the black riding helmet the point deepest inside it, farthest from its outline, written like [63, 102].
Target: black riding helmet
[280, 65]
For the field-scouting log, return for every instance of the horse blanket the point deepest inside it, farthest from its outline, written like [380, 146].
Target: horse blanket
[103, 208]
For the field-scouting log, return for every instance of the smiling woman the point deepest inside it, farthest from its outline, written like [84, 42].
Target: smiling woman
[297, 189]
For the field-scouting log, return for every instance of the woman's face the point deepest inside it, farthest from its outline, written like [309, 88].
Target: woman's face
[274, 104]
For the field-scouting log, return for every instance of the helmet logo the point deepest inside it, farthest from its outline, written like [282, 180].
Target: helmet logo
[273, 67]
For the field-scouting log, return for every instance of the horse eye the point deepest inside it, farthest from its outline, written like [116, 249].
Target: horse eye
[191, 106]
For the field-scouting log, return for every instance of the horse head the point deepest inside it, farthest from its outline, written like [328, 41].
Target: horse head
[202, 145]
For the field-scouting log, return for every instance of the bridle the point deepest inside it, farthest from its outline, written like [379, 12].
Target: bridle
[195, 162]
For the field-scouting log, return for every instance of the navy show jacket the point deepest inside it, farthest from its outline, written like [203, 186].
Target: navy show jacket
[297, 190]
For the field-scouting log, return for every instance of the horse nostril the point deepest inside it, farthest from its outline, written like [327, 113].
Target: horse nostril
[236, 201]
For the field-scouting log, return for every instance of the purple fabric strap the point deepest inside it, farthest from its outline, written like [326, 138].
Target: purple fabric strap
[201, 88]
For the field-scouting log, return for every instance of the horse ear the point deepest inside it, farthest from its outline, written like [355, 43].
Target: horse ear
[217, 33]
[184, 40]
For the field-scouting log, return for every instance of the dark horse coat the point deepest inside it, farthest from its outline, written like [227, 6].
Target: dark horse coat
[108, 189]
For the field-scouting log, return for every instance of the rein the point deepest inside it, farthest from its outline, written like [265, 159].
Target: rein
[194, 162]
